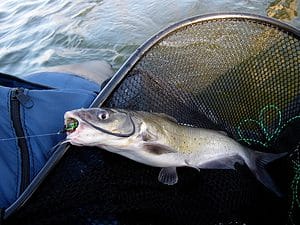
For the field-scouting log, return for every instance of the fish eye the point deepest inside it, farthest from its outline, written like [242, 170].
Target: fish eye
[103, 115]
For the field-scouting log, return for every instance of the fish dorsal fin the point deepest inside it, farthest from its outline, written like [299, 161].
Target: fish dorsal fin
[167, 117]
[223, 132]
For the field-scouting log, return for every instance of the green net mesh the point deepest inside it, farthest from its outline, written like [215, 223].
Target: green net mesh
[239, 74]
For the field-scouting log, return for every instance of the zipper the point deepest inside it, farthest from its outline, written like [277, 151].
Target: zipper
[18, 98]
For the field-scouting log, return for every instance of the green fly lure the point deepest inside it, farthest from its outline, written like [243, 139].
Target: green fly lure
[71, 125]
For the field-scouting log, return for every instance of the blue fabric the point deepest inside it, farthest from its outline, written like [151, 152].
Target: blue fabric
[50, 106]
[62, 80]
[45, 116]
[9, 156]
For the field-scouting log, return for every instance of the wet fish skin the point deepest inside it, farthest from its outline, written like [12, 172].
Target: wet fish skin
[158, 140]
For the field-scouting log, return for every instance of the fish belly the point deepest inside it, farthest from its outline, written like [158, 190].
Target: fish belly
[163, 160]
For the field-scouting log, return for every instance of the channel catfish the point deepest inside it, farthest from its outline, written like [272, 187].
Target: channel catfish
[157, 140]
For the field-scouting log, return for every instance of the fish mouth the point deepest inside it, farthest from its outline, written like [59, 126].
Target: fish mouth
[71, 124]
[74, 122]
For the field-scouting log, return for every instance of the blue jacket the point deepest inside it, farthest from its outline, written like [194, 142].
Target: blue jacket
[31, 116]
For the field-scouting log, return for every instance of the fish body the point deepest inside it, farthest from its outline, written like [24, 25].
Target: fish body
[158, 140]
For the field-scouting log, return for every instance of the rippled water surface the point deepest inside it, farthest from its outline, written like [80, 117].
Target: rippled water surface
[39, 33]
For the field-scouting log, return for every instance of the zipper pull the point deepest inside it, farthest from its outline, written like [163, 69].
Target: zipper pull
[25, 100]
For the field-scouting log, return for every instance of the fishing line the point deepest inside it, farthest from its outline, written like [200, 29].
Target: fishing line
[32, 136]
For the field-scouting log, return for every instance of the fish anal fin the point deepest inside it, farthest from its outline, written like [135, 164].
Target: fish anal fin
[224, 163]
[157, 149]
[168, 175]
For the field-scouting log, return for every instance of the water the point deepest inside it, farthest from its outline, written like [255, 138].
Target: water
[39, 33]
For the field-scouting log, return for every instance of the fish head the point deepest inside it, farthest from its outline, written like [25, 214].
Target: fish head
[98, 126]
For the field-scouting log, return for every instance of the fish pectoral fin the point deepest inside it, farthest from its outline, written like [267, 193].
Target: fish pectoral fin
[157, 149]
[168, 175]
[148, 136]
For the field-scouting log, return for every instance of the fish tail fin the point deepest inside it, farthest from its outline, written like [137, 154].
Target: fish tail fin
[258, 163]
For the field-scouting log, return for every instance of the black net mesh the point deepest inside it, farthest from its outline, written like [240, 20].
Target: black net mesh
[240, 75]
[226, 70]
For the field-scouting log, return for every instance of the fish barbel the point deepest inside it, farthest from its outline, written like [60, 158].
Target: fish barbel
[157, 139]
